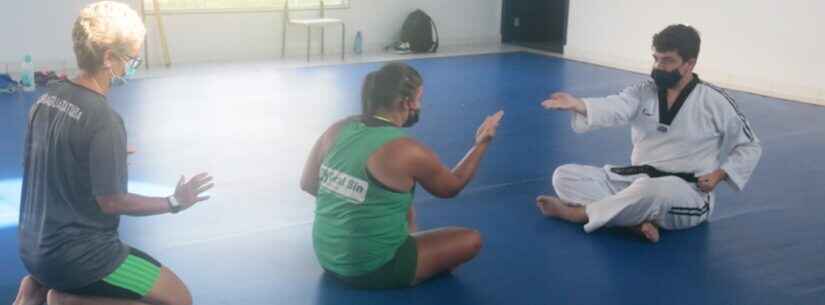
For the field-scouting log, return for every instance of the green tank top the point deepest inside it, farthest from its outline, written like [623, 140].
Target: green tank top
[359, 224]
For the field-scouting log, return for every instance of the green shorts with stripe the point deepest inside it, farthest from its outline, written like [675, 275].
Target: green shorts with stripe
[133, 279]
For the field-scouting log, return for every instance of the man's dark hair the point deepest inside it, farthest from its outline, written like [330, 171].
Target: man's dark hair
[683, 39]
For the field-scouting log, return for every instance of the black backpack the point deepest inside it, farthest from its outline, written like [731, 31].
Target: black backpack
[420, 32]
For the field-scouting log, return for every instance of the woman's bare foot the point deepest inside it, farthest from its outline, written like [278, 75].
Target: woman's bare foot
[556, 208]
[31, 292]
[649, 231]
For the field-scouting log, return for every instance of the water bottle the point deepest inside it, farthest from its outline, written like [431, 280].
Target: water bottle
[358, 45]
[27, 74]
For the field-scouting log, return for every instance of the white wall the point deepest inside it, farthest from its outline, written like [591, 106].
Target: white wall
[40, 27]
[43, 27]
[771, 47]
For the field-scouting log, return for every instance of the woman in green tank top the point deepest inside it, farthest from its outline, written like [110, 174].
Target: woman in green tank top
[363, 171]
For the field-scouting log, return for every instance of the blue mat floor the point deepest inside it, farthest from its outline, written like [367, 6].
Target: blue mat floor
[251, 244]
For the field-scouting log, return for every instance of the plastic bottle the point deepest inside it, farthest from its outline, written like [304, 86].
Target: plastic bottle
[27, 74]
[358, 47]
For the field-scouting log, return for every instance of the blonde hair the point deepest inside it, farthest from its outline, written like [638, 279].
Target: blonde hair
[102, 26]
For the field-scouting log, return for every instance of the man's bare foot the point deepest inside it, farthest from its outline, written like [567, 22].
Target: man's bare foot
[556, 208]
[550, 206]
[649, 231]
[31, 292]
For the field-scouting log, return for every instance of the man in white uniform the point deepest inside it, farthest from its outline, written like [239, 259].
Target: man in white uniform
[687, 137]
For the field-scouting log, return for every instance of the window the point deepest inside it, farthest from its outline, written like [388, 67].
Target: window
[195, 6]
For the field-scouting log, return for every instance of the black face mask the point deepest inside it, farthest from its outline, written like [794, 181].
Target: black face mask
[412, 118]
[666, 79]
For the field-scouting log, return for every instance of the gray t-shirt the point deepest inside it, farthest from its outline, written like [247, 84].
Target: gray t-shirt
[75, 150]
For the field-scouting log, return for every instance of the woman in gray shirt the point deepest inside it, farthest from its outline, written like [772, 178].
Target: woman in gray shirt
[75, 181]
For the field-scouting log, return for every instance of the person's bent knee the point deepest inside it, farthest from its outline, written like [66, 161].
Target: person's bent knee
[476, 241]
[565, 179]
[179, 297]
[470, 239]
[169, 290]
[183, 299]
[561, 174]
[473, 243]
[175, 301]
[186, 301]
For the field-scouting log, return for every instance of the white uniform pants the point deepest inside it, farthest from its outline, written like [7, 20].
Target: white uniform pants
[614, 200]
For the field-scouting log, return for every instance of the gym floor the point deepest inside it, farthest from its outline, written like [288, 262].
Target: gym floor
[252, 127]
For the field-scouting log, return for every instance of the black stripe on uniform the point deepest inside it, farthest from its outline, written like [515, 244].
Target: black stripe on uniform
[732, 102]
[692, 211]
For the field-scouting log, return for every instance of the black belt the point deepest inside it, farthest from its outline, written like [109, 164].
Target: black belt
[651, 172]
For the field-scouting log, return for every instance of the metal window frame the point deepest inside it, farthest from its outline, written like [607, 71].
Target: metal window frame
[150, 11]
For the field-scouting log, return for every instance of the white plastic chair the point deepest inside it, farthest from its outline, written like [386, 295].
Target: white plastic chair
[311, 23]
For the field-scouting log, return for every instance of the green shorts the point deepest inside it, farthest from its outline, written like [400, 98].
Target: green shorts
[132, 280]
[399, 272]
